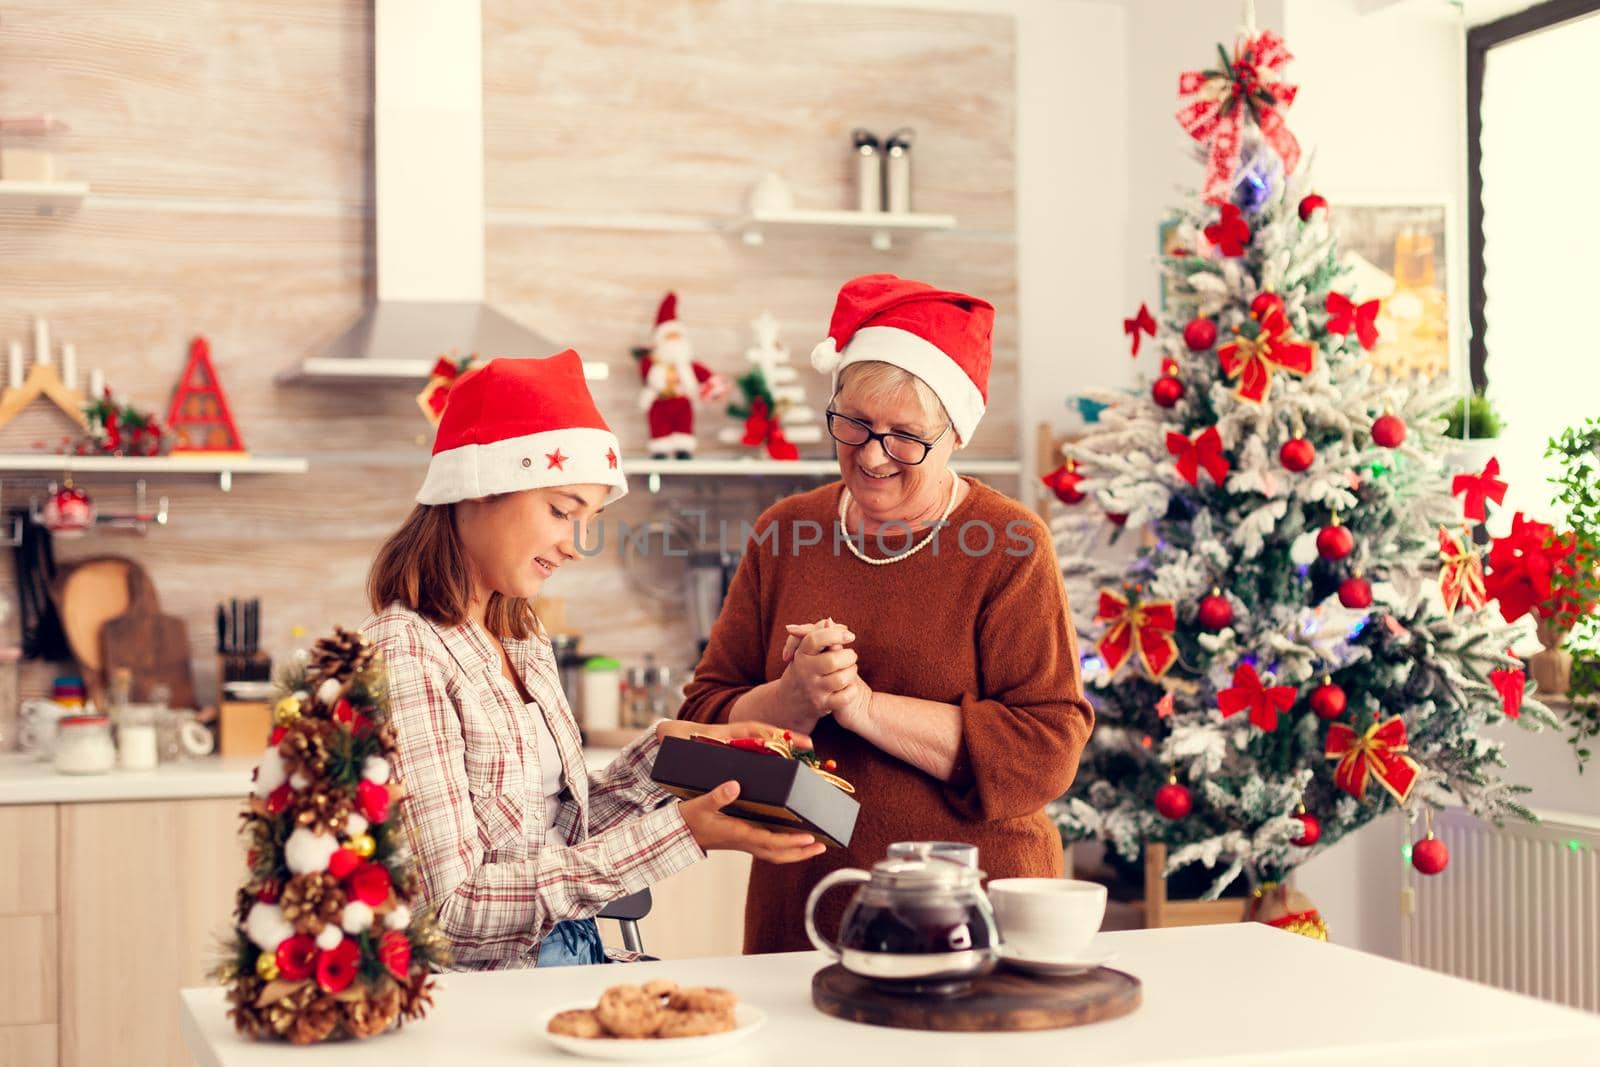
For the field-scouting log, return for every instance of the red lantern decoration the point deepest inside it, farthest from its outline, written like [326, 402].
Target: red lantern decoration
[1388, 431]
[1335, 542]
[1355, 593]
[1430, 856]
[1310, 205]
[1328, 700]
[1297, 454]
[1311, 830]
[1215, 612]
[1200, 334]
[1173, 800]
[1167, 391]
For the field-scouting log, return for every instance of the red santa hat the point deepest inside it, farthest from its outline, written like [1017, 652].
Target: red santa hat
[515, 424]
[666, 314]
[941, 337]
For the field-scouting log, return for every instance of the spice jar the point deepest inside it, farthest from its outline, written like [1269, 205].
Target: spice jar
[83, 745]
[137, 749]
[602, 693]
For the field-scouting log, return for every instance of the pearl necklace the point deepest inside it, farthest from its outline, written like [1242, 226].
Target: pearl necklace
[844, 506]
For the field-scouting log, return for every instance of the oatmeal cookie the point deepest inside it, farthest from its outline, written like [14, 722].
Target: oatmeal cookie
[628, 1011]
[580, 1023]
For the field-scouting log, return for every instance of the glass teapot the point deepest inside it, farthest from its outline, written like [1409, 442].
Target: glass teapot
[915, 925]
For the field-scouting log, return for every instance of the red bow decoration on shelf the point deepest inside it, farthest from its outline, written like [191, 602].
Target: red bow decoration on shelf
[1230, 233]
[1252, 360]
[1521, 566]
[1345, 316]
[1249, 693]
[1148, 627]
[1143, 322]
[760, 428]
[1217, 101]
[1512, 685]
[1461, 576]
[1380, 752]
[436, 393]
[1204, 450]
[1479, 488]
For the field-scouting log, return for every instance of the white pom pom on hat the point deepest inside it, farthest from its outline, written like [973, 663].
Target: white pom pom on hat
[825, 357]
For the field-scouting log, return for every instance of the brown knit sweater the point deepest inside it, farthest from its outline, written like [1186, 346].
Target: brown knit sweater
[990, 633]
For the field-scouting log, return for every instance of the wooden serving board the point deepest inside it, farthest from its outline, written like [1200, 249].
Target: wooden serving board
[1004, 1000]
[88, 595]
[153, 646]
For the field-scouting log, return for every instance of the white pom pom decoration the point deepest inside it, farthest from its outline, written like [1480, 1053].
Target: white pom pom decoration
[825, 357]
[266, 927]
[270, 773]
[306, 852]
[356, 917]
[399, 918]
[375, 770]
[329, 939]
[1303, 549]
[355, 825]
[328, 692]
[298, 781]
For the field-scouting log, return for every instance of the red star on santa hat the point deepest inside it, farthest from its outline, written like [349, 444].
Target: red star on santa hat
[556, 460]
[611, 458]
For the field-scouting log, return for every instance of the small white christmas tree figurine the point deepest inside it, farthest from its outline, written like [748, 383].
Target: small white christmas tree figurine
[774, 410]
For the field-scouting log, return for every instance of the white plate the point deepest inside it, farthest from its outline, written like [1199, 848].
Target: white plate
[1054, 968]
[748, 1020]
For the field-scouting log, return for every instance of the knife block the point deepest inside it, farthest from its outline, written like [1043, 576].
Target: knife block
[243, 727]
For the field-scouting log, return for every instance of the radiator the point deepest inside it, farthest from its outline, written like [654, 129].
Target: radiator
[1518, 907]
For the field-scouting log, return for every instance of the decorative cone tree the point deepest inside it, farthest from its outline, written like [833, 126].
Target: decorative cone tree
[1279, 648]
[329, 939]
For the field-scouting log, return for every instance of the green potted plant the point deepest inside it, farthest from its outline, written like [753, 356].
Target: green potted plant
[1571, 632]
[1475, 423]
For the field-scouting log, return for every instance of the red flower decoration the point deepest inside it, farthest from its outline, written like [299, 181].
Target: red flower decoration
[1231, 232]
[394, 951]
[1512, 684]
[342, 862]
[296, 955]
[1143, 322]
[1479, 488]
[337, 969]
[1250, 694]
[1522, 565]
[374, 800]
[1345, 316]
[369, 883]
[1205, 450]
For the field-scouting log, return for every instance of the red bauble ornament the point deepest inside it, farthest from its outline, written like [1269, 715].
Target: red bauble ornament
[1355, 593]
[1215, 612]
[1173, 801]
[1311, 831]
[1297, 454]
[295, 957]
[1335, 542]
[337, 969]
[1310, 205]
[1388, 431]
[1264, 303]
[1429, 855]
[343, 862]
[1117, 518]
[1200, 334]
[1167, 391]
[1328, 700]
[1063, 482]
[374, 801]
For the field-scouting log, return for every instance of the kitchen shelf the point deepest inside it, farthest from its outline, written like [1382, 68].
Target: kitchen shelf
[880, 226]
[224, 467]
[414, 371]
[654, 469]
[43, 197]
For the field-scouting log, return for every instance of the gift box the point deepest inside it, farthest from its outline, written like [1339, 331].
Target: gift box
[773, 790]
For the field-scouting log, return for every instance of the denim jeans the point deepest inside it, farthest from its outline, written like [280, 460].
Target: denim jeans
[573, 942]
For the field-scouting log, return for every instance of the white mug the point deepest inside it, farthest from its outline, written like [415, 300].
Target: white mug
[1047, 918]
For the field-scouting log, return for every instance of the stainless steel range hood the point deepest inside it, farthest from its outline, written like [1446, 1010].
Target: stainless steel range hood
[428, 135]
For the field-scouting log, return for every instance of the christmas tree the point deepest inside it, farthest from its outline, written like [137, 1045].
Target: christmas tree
[329, 940]
[1302, 640]
[774, 410]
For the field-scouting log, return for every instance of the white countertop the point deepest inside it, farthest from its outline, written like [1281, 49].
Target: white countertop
[1234, 995]
[25, 780]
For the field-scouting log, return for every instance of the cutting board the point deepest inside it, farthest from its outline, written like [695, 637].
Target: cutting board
[1004, 1000]
[87, 595]
[155, 647]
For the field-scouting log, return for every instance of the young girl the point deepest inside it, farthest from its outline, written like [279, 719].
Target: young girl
[518, 844]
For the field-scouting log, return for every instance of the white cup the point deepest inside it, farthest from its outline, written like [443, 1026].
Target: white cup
[1047, 918]
[36, 726]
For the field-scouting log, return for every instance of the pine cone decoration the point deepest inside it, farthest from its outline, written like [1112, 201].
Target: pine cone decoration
[247, 1018]
[315, 1021]
[419, 993]
[342, 656]
[324, 810]
[305, 748]
[374, 1013]
[312, 901]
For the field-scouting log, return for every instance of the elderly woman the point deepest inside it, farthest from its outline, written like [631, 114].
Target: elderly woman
[924, 640]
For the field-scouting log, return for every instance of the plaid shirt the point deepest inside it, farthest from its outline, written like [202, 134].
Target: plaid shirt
[475, 809]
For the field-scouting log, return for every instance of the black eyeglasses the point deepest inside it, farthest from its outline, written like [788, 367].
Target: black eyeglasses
[900, 447]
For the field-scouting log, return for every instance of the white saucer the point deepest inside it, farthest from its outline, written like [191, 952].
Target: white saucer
[749, 1019]
[1054, 968]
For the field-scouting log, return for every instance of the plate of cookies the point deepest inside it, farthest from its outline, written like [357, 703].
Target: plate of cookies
[659, 1020]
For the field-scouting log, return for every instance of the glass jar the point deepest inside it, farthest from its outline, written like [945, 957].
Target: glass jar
[602, 693]
[137, 747]
[83, 745]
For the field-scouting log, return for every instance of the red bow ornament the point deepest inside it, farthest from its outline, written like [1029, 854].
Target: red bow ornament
[1148, 627]
[1217, 101]
[760, 428]
[1461, 574]
[1252, 360]
[1230, 233]
[1512, 685]
[1203, 450]
[1478, 488]
[1249, 693]
[436, 393]
[1380, 753]
[1345, 316]
[1143, 322]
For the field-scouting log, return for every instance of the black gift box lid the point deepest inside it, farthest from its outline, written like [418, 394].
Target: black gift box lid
[773, 790]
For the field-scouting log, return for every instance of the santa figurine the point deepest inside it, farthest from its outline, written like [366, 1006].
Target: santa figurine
[674, 382]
